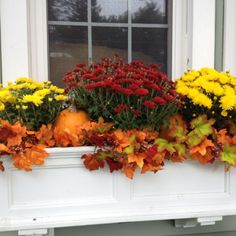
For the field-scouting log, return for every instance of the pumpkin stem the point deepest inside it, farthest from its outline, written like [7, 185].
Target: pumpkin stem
[72, 107]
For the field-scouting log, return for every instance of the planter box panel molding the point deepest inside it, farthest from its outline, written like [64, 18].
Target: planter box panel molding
[63, 193]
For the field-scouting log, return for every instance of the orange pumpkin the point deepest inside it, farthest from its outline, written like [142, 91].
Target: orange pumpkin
[69, 120]
[68, 127]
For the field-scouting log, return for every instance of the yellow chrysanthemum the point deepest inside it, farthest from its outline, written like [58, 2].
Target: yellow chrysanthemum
[56, 89]
[6, 96]
[233, 80]
[194, 73]
[187, 77]
[61, 98]
[223, 78]
[224, 113]
[24, 107]
[42, 93]
[228, 102]
[202, 100]
[228, 89]
[2, 106]
[182, 90]
[213, 87]
[205, 71]
[36, 100]
[24, 80]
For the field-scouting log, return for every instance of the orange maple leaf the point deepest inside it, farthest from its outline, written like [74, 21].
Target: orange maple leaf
[202, 147]
[207, 158]
[129, 169]
[36, 154]
[150, 167]
[11, 134]
[222, 136]
[122, 140]
[65, 138]
[45, 135]
[32, 156]
[4, 149]
[177, 158]
[137, 158]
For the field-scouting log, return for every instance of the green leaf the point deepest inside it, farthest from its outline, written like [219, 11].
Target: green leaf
[164, 145]
[177, 128]
[181, 149]
[202, 127]
[103, 154]
[129, 150]
[229, 154]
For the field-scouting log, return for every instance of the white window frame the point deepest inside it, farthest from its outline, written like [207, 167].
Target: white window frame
[229, 47]
[25, 40]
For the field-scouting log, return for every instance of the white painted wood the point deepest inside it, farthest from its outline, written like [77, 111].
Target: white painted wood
[193, 222]
[179, 38]
[201, 37]
[203, 221]
[229, 55]
[63, 193]
[36, 232]
[14, 39]
[38, 39]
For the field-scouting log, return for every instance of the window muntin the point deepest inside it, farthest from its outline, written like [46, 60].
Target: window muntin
[135, 29]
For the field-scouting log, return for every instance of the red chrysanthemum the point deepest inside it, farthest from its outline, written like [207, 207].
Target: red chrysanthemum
[141, 92]
[149, 104]
[168, 97]
[122, 107]
[159, 100]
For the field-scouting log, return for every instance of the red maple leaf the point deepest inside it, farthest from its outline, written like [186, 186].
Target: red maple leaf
[113, 164]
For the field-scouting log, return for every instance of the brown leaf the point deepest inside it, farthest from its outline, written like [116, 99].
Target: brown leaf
[1, 166]
[91, 162]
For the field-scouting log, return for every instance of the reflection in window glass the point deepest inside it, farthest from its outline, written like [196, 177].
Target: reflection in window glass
[115, 11]
[150, 45]
[149, 11]
[67, 10]
[68, 45]
[108, 41]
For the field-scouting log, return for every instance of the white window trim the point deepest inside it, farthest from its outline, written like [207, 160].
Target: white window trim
[25, 41]
[229, 51]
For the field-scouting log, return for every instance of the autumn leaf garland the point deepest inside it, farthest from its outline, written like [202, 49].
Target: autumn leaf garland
[120, 150]
[148, 151]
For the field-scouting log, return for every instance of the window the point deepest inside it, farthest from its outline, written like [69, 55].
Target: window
[85, 31]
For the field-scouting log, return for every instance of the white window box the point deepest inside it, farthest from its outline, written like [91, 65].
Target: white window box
[64, 193]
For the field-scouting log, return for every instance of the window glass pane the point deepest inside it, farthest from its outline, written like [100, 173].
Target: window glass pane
[110, 11]
[150, 45]
[67, 10]
[108, 41]
[68, 45]
[149, 11]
